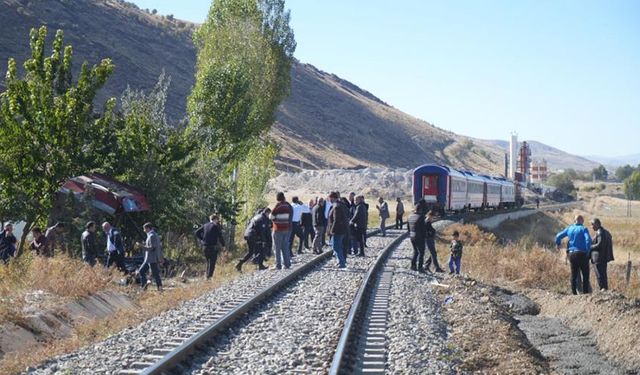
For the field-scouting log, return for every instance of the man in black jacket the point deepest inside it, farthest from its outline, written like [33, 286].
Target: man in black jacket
[88, 244]
[7, 243]
[431, 243]
[209, 235]
[358, 225]
[417, 233]
[257, 234]
[601, 253]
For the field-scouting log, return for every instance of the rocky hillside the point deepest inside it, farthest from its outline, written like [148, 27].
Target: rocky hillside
[327, 122]
[140, 44]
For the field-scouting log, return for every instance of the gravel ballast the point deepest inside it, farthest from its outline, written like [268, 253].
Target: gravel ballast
[297, 331]
[416, 332]
[122, 349]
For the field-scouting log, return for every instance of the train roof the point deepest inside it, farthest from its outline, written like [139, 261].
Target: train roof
[439, 169]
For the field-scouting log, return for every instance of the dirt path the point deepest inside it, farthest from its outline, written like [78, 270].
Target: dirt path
[568, 351]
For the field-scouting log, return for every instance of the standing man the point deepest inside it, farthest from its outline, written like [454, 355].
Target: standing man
[307, 224]
[578, 248]
[338, 227]
[358, 226]
[383, 211]
[152, 257]
[601, 253]
[281, 218]
[417, 232]
[88, 244]
[7, 243]
[399, 213]
[115, 247]
[319, 225]
[256, 235]
[327, 208]
[296, 224]
[431, 243]
[54, 237]
[209, 235]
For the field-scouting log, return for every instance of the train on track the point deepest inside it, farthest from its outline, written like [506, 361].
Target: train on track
[446, 189]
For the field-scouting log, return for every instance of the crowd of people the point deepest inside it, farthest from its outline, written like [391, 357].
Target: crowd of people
[48, 243]
[340, 222]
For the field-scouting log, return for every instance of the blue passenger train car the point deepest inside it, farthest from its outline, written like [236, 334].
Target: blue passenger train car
[447, 189]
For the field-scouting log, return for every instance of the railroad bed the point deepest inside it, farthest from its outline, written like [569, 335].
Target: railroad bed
[296, 326]
[123, 350]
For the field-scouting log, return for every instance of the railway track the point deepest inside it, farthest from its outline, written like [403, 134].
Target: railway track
[170, 355]
[363, 343]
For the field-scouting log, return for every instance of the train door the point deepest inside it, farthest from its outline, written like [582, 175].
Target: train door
[430, 188]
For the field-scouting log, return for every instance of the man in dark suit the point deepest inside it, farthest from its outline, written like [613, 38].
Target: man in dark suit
[115, 247]
[601, 253]
[209, 235]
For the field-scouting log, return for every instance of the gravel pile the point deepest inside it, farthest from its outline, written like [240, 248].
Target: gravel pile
[122, 349]
[417, 334]
[297, 331]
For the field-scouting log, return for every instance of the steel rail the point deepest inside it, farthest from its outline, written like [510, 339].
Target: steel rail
[188, 347]
[357, 308]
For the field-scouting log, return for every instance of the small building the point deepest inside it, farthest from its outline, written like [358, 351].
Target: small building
[539, 171]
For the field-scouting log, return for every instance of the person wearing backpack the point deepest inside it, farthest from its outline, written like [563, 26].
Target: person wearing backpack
[256, 234]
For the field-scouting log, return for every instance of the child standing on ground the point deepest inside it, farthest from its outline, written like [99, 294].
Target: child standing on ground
[456, 253]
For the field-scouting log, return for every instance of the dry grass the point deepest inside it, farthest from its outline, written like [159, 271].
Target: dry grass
[61, 277]
[527, 265]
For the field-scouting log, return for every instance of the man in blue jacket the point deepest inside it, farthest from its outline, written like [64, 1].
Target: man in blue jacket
[578, 249]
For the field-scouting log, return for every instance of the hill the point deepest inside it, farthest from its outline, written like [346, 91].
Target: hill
[556, 159]
[613, 162]
[327, 122]
[140, 44]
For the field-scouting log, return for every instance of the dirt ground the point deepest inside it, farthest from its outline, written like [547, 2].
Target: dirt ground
[485, 332]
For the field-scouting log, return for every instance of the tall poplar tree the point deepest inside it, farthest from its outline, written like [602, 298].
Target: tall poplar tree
[245, 53]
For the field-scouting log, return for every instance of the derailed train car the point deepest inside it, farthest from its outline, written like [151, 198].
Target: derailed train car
[446, 189]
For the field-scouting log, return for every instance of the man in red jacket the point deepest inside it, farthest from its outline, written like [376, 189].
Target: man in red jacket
[281, 218]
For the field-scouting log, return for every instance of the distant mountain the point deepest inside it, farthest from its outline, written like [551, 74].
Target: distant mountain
[617, 161]
[327, 122]
[556, 159]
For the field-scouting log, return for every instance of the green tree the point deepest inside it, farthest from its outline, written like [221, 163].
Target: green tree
[48, 129]
[245, 52]
[600, 173]
[632, 186]
[154, 156]
[623, 172]
[562, 182]
[254, 173]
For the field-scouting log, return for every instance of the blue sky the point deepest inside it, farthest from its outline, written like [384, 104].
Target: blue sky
[566, 73]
